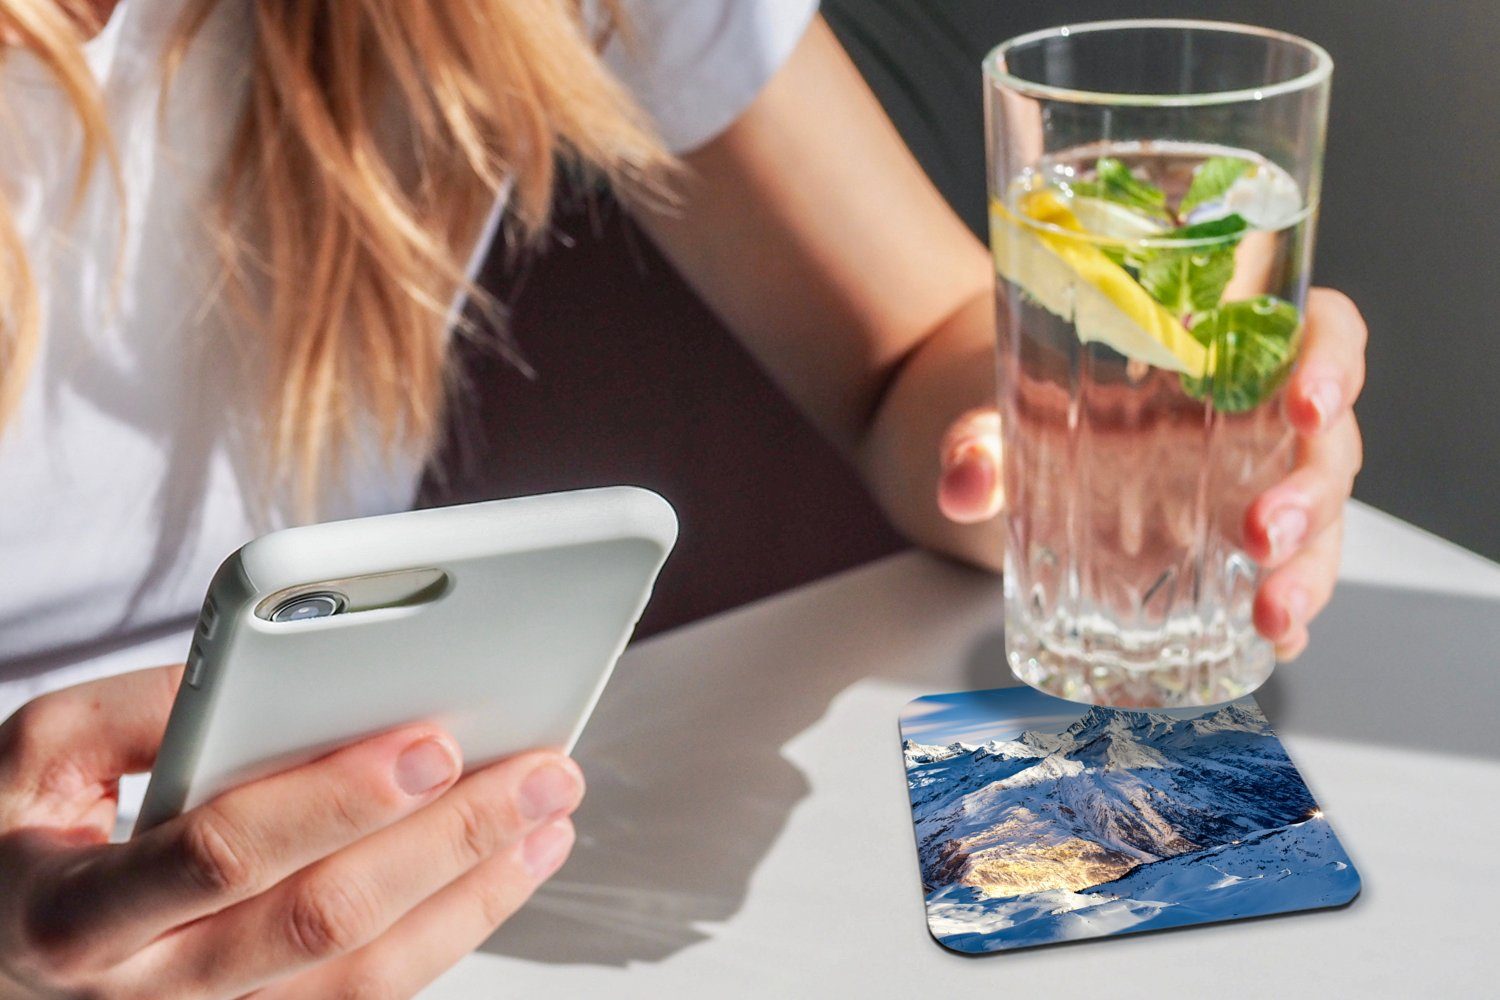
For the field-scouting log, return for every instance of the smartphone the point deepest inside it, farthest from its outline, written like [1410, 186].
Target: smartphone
[500, 621]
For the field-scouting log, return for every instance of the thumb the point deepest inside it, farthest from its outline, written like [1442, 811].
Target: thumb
[970, 487]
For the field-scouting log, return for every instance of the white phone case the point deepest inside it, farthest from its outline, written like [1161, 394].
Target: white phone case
[538, 598]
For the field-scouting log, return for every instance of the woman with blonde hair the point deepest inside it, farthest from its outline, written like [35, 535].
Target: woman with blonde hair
[233, 240]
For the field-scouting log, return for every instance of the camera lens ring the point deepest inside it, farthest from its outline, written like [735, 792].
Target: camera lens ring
[308, 606]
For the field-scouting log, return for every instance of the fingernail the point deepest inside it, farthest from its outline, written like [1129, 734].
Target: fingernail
[971, 478]
[968, 453]
[1296, 604]
[1286, 530]
[1325, 395]
[424, 765]
[549, 790]
[545, 850]
[971, 471]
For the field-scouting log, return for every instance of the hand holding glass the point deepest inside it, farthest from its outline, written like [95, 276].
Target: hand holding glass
[1153, 186]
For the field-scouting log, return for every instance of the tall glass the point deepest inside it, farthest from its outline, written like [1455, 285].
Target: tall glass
[1153, 187]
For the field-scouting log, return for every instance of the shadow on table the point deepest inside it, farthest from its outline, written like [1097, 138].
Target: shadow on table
[689, 791]
[1386, 665]
[688, 787]
[1396, 667]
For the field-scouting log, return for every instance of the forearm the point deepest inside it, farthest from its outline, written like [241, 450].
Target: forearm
[815, 235]
[949, 373]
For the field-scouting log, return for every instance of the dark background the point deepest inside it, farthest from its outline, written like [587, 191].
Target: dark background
[635, 381]
[1409, 223]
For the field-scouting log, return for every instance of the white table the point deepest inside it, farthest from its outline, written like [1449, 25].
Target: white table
[747, 831]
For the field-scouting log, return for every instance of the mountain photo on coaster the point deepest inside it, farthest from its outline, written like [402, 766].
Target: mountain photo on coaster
[1040, 820]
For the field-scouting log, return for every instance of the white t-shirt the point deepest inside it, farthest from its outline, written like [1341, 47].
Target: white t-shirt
[124, 480]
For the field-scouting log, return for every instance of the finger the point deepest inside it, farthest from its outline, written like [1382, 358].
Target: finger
[969, 486]
[1292, 595]
[101, 730]
[1302, 505]
[1331, 371]
[349, 899]
[442, 929]
[121, 896]
[1293, 644]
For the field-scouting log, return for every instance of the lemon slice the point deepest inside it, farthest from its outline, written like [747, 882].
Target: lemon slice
[1106, 218]
[1075, 280]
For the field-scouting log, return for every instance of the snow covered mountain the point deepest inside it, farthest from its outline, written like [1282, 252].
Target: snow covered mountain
[1115, 795]
[945, 772]
[1297, 867]
[922, 753]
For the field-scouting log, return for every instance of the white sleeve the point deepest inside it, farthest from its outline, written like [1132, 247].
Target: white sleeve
[695, 65]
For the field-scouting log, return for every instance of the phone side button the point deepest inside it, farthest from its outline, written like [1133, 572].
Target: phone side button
[194, 672]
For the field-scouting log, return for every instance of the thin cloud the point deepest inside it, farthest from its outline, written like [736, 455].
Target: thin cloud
[970, 728]
[921, 707]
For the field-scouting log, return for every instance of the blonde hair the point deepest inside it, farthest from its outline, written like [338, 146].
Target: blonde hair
[345, 256]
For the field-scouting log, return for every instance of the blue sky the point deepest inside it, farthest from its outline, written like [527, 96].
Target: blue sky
[976, 716]
[999, 714]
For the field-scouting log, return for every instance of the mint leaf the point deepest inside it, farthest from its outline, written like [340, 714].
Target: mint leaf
[1250, 349]
[1186, 283]
[1114, 182]
[1211, 180]
[1214, 229]
[1192, 279]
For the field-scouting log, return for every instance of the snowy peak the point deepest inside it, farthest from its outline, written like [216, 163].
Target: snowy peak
[1232, 718]
[1043, 742]
[1140, 725]
[1119, 751]
[1007, 750]
[1051, 768]
[1104, 737]
[1094, 720]
[920, 753]
[925, 753]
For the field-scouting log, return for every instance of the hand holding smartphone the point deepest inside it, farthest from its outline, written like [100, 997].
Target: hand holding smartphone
[499, 622]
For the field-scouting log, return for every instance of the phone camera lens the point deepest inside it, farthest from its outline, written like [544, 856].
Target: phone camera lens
[305, 606]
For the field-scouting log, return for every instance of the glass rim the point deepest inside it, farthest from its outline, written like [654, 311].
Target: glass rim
[1322, 65]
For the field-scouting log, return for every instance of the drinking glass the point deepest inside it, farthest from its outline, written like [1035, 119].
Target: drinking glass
[1153, 188]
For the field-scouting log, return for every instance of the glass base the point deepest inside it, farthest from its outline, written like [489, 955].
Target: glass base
[1168, 682]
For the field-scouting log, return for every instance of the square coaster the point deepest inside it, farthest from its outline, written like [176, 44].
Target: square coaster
[1040, 820]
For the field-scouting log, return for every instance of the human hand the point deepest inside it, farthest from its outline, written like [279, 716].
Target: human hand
[374, 867]
[1295, 528]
